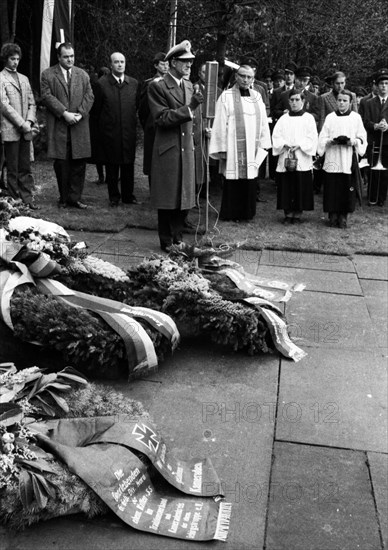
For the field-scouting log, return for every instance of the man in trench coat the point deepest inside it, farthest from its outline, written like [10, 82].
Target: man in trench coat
[172, 103]
[115, 111]
[68, 97]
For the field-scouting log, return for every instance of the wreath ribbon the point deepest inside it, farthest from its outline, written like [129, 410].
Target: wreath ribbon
[120, 317]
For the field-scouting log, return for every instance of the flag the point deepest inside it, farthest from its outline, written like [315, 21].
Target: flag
[57, 27]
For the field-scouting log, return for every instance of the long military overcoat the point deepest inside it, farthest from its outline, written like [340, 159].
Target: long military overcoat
[57, 97]
[173, 168]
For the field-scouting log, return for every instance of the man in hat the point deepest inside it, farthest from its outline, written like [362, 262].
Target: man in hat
[172, 101]
[329, 99]
[115, 109]
[268, 80]
[302, 82]
[316, 85]
[289, 79]
[279, 79]
[146, 120]
[375, 121]
[373, 93]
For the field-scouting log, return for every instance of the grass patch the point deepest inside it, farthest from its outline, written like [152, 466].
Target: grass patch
[367, 231]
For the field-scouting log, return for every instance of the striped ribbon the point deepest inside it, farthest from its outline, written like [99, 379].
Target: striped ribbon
[120, 317]
[268, 289]
[278, 330]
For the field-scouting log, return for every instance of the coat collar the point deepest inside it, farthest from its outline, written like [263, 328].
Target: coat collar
[9, 78]
[175, 90]
[59, 74]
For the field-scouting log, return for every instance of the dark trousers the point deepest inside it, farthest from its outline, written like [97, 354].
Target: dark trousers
[170, 226]
[70, 175]
[127, 180]
[19, 177]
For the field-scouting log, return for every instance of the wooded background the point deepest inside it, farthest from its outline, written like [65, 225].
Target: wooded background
[349, 35]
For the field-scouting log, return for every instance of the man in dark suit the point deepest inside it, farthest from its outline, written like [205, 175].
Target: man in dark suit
[146, 120]
[375, 122]
[329, 99]
[289, 76]
[68, 96]
[172, 101]
[115, 110]
[302, 81]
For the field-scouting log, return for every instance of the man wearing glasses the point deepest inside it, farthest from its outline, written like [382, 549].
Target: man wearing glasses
[240, 134]
[172, 101]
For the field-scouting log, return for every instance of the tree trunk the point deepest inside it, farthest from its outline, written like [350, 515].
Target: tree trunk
[4, 24]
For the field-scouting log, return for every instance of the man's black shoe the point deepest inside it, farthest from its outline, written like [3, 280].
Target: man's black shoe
[78, 204]
[113, 204]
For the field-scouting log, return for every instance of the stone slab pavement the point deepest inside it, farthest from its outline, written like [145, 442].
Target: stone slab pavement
[301, 447]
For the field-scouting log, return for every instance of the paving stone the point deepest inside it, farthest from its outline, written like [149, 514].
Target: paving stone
[249, 259]
[205, 406]
[315, 280]
[371, 267]
[206, 402]
[335, 398]
[120, 260]
[320, 499]
[306, 260]
[92, 239]
[376, 297]
[378, 464]
[326, 320]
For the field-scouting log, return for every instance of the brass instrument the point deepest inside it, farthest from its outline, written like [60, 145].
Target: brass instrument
[378, 166]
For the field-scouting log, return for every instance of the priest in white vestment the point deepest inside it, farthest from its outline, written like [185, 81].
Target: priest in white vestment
[239, 137]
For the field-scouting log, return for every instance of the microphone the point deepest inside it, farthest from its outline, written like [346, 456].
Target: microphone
[211, 79]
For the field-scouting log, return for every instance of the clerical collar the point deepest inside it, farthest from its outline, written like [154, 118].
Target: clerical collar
[297, 113]
[346, 113]
[244, 93]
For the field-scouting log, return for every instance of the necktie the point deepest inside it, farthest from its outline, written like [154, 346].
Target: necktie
[120, 81]
[68, 80]
[382, 102]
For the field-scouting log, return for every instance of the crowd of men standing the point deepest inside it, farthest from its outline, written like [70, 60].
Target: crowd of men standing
[96, 122]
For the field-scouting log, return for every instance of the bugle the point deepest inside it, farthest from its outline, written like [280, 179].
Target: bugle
[379, 164]
[374, 185]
